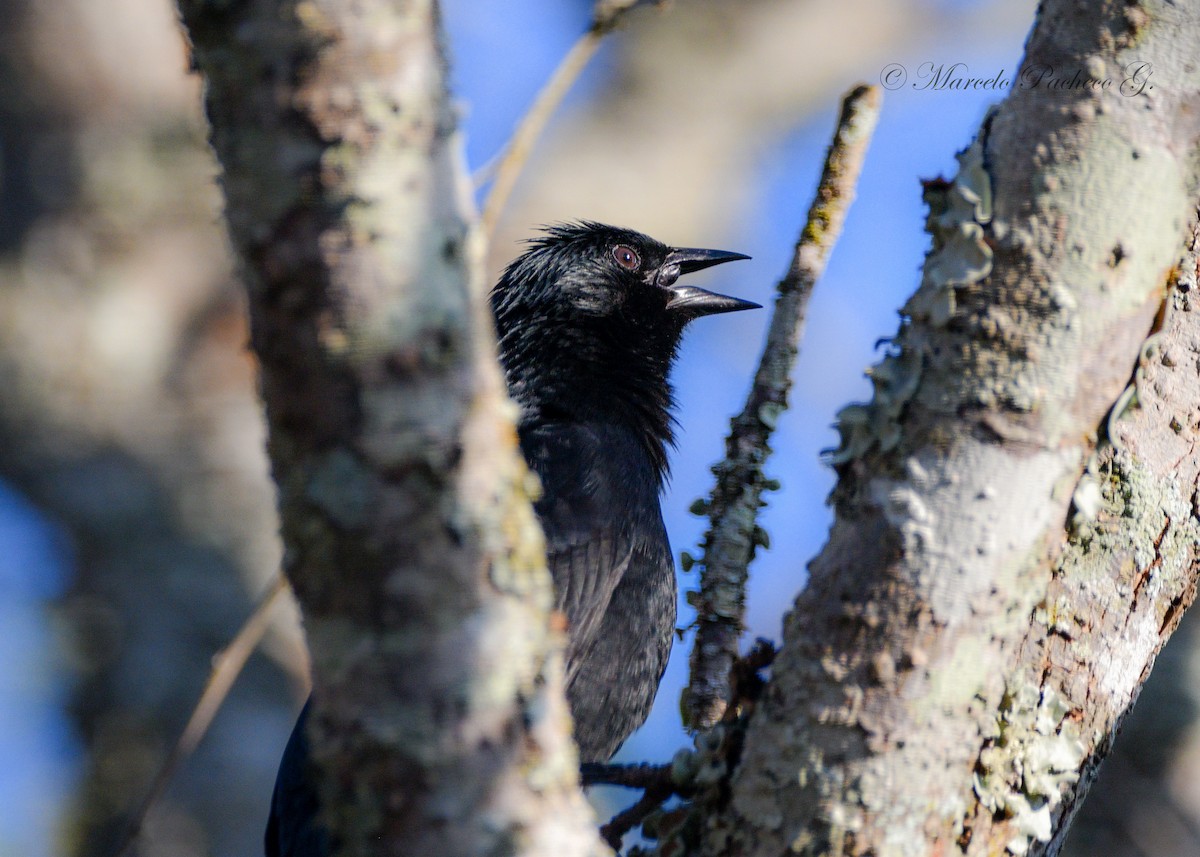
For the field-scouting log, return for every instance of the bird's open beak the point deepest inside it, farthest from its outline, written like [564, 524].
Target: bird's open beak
[690, 259]
[693, 300]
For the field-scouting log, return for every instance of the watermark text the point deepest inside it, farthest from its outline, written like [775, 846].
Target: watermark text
[1133, 79]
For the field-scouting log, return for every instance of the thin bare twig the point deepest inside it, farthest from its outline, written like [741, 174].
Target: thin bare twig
[606, 14]
[227, 666]
[733, 533]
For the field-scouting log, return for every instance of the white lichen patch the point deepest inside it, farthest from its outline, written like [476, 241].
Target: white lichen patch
[1086, 501]
[905, 510]
[1057, 617]
[1157, 522]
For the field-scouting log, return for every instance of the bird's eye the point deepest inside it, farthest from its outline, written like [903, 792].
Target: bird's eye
[626, 257]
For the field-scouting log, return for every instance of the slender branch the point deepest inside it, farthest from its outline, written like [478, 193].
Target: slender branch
[637, 776]
[606, 15]
[733, 507]
[227, 666]
[680, 777]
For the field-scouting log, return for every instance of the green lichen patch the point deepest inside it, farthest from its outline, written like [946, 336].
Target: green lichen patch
[865, 425]
[958, 211]
[1033, 756]
[1130, 512]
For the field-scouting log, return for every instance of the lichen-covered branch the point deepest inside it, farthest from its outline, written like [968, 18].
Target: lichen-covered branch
[438, 721]
[733, 534]
[955, 668]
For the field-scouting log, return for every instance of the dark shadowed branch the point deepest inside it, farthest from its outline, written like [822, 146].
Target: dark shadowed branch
[690, 771]
[626, 820]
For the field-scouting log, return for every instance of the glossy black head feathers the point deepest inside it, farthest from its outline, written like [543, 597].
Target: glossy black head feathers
[589, 319]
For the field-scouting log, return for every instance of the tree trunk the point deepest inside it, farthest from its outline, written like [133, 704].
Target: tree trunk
[996, 585]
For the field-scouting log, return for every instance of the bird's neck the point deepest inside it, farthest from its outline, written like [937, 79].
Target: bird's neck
[628, 388]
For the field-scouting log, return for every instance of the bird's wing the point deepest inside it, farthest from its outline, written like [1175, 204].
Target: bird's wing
[614, 681]
[585, 575]
[590, 493]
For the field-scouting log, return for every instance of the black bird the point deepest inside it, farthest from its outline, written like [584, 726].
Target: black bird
[589, 320]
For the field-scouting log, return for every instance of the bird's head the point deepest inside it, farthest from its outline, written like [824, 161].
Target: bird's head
[591, 271]
[589, 319]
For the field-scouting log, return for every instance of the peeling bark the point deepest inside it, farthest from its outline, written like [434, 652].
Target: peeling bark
[981, 617]
[438, 723]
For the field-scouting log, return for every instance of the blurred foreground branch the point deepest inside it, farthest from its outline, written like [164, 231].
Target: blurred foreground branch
[412, 546]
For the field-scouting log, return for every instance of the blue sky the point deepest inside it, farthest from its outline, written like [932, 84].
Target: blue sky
[39, 752]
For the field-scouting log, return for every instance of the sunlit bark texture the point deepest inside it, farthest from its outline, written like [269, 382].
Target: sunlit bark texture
[1015, 529]
[439, 725]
